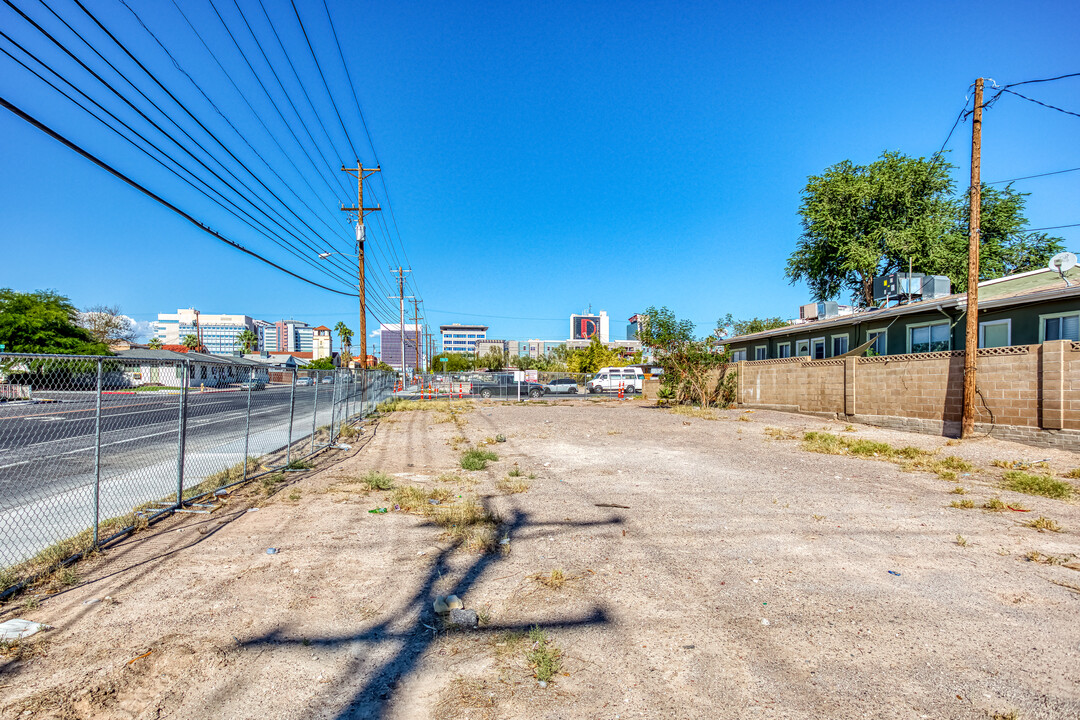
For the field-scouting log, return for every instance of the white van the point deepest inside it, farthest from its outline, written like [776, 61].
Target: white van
[610, 379]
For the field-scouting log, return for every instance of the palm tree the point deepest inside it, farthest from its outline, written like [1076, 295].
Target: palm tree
[154, 344]
[248, 340]
[344, 333]
[191, 342]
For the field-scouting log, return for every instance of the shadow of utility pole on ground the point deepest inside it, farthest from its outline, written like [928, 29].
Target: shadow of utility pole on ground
[374, 695]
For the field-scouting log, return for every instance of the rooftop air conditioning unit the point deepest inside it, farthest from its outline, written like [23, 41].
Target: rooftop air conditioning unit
[808, 312]
[910, 286]
[829, 309]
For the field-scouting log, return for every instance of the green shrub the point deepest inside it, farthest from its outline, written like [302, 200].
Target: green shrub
[477, 459]
[1031, 484]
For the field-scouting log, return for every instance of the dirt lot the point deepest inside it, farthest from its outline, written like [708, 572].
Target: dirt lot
[748, 577]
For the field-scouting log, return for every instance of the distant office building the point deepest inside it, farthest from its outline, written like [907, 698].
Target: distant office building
[323, 343]
[220, 333]
[633, 330]
[287, 336]
[459, 338]
[390, 336]
[483, 347]
[540, 348]
[583, 327]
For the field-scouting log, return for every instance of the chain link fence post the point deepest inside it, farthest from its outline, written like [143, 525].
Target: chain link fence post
[334, 404]
[97, 454]
[292, 410]
[247, 421]
[315, 410]
[181, 434]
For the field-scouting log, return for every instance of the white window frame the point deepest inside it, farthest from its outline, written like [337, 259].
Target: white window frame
[847, 343]
[783, 345]
[930, 324]
[824, 348]
[1007, 322]
[1051, 316]
[761, 347]
[882, 332]
[735, 355]
[805, 343]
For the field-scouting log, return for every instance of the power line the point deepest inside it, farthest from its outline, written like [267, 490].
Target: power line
[326, 85]
[205, 129]
[1029, 177]
[232, 126]
[371, 142]
[113, 171]
[157, 127]
[1037, 102]
[959, 117]
[1042, 80]
[1051, 227]
[247, 217]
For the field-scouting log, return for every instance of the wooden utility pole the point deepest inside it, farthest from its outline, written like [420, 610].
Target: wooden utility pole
[401, 326]
[971, 341]
[360, 172]
[416, 332]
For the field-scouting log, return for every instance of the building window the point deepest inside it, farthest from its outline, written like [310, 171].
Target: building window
[761, 352]
[839, 344]
[881, 342]
[783, 350]
[928, 338]
[819, 348]
[995, 333]
[802, 348]
[1059, 327]
[738, 355]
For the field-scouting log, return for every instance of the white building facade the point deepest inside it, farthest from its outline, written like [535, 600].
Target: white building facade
[220, 333]
[459, 338]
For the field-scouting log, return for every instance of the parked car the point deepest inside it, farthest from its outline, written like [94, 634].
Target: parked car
[327, 379]
[611, 379]
[562, 385]
[253, 384]
[505, 386]
[304, 382]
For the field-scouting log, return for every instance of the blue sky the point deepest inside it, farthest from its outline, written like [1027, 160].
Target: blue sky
[540, 157]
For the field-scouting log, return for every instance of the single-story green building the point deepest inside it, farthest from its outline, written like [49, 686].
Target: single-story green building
[1024, 309]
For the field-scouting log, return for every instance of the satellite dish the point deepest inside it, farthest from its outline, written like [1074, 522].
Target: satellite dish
[1062, 262]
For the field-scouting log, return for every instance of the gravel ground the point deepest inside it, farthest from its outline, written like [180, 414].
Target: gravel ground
[747, 578]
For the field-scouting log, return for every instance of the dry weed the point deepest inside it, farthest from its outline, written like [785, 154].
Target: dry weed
[696, 412]
[1042, 524]
[511, 485]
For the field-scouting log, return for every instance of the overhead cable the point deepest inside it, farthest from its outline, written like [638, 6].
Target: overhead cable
[157, 198]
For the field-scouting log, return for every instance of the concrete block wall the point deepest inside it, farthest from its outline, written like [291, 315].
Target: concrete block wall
[1027, 391]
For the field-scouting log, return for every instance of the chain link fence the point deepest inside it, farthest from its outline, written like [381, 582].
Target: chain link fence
[92, 447]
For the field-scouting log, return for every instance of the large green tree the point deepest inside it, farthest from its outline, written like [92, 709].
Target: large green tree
[593, 357]
[728, 325]
[44, 322]
[862, 221]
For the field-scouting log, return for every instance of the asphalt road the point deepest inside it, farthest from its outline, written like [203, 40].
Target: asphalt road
[47, 451]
